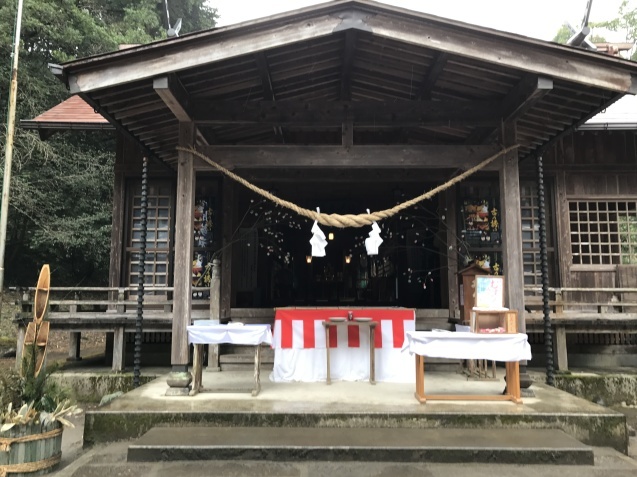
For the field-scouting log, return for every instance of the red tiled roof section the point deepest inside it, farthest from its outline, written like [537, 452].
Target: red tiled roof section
[72, 110]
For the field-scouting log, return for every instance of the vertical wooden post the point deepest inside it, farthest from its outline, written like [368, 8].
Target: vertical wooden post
[119, 349]
[117, 227]
[227, 233]
[562, 220]
[512, 235]
[449, 212]
[511, 228]
[561, 356]
[120, 307]
[22, 331]
[215, 305]
[180, 378]
[74, 346]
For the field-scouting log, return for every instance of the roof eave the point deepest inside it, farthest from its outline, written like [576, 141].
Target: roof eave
[85, 75]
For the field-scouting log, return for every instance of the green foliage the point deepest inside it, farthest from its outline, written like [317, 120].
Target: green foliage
[61, 189]
[564, 34]
[26, 398]
[42, 393]
[625, 22]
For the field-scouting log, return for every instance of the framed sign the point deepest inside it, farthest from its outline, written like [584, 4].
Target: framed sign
[489, 292]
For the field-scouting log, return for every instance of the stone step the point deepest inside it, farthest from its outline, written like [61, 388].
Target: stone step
[504, 446]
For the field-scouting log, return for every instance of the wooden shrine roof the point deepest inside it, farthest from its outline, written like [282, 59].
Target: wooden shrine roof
[72, 113]
[399, 77]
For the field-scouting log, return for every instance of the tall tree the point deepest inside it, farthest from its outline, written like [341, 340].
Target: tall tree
[625, 22]
[60, 207]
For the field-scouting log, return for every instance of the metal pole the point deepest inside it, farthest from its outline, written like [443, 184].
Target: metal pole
[137, 357]
[8, 150]
[544, 266]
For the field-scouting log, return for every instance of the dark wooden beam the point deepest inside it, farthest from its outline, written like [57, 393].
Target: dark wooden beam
[172, 92]
[522, 97]
[266, 78]
[426, 87]
[348, 64]
[356, 157]
[342, 176]
[175, 96]
[398, 112]
[268, 89]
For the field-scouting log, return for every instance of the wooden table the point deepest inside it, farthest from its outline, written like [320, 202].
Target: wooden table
[248, 335]
[372, 327]
[510, 348]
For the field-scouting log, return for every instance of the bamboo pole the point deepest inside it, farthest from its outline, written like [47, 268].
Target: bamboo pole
[8, 151]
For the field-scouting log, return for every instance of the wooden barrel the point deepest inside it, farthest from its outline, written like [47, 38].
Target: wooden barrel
[27, 451]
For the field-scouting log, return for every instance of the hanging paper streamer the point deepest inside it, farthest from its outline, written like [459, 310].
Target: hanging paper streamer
[373, 242]
[318, 241]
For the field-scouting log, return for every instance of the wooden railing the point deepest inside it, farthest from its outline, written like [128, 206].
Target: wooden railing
[114, 310]
[608, 314]
[101, 302]
[570, 300]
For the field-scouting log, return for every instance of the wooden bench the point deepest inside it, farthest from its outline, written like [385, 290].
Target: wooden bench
[575, 322]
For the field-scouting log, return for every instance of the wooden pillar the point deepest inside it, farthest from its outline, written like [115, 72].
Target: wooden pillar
[564, 253]
[119, 349]
[561, 356]
[117, 228]
[22, 331]
[74, 346]
[449, 212]
[512, 236]
[180, 378]
[215, 308]
[227, 234]
[511, 228]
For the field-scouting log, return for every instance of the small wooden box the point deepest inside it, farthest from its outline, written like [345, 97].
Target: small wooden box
[492, 319]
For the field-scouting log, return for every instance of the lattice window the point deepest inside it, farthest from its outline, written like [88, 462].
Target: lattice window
[158, 240]
[603, 232]
[531, 233]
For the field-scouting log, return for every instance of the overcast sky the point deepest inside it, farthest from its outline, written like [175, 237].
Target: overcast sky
[535, 18]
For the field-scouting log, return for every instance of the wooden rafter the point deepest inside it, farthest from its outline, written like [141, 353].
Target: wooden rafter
[438, 65]
[522, 97]
[348, 64]
[268, 89]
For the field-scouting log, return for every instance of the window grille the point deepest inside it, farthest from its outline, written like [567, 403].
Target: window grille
[603, 232]
[158, 240]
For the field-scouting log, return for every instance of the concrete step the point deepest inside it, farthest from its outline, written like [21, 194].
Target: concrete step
[504, 446]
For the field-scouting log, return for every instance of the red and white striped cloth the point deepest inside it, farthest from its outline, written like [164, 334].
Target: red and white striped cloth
[303, 328]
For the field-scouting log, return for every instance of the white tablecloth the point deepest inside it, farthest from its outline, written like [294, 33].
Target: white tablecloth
[217, 334]
[459, 345]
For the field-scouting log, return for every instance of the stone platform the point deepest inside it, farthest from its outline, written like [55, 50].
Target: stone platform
[351, 405]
